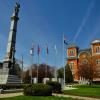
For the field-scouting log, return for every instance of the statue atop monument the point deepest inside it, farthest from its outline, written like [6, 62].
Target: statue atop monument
[17, 7]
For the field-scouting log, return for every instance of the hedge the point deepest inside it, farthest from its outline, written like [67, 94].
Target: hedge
[56, 86]
[38, 89]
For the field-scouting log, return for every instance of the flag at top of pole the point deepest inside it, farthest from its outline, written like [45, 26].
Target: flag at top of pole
[65, 40]
[38, 50]
[47, 50]
[32, 51]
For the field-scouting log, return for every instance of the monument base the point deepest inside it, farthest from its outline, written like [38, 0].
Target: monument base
[9, 80]
[7, 75]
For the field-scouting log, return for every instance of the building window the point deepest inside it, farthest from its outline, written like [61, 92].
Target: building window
[72, 52]
[85, 61]
[98, 61]
[98, 49]
[72, 67]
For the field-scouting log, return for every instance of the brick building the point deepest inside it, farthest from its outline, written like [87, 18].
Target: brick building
[77, 56]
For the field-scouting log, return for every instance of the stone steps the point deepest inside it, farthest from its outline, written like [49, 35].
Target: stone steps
[9, 79]
[5, 78]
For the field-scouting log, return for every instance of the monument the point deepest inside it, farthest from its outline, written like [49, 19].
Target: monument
[7, 71]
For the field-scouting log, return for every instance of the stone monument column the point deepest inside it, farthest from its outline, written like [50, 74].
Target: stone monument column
[9, 60]
[8, 71]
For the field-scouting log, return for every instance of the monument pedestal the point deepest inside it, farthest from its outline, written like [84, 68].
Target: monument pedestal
[7, 76]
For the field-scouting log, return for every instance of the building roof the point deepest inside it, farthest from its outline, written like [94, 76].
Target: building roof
[95, 41]
[85, 50]
[88, 50]
[73, 45]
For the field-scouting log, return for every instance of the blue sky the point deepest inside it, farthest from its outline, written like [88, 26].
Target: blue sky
[44, 22]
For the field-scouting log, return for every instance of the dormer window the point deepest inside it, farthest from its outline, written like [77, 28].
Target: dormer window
[98, 49]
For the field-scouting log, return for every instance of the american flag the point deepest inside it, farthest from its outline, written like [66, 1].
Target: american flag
[47, 50]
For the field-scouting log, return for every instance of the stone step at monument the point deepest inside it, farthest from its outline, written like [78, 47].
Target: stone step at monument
[12, 79]
[9, 79]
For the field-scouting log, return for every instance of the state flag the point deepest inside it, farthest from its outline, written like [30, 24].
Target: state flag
[38, 50]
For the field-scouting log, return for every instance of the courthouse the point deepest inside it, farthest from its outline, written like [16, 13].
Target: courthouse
[76, 56]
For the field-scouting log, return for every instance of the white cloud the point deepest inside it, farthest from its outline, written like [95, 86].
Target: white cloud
[86, 17]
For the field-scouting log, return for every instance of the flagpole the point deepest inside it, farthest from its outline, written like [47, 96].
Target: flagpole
[55, 61]
[63, 60]
[31, 58]
[46, 61]
[37, 68]
[47, 67]
[55, 64]
[31, 69]
[38, 52]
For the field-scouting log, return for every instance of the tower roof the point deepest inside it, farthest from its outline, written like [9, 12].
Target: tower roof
[73, 46]
[95, 41]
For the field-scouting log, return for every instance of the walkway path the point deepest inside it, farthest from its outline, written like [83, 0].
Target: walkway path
[76, 97]
[10, 95]
[60, 95]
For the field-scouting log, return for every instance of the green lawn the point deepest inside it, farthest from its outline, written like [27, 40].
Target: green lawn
[36, 98]
[85, 90]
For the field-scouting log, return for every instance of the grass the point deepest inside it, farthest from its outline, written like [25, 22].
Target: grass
[85, 90]
[37, 98]
[87, 86]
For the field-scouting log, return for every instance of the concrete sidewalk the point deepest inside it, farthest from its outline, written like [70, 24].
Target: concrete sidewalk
[76, 97]
[10, 95]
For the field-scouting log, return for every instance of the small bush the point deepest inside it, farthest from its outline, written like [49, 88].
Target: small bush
[56, 86]
[38, 90]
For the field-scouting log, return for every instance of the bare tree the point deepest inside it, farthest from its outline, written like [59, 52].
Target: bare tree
[87, 69]
[42, 73]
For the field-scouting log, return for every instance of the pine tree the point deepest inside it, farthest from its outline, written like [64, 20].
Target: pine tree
[69, 76]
